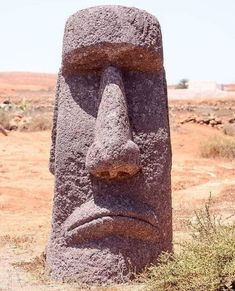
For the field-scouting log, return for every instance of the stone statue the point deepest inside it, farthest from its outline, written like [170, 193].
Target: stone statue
[111, 151]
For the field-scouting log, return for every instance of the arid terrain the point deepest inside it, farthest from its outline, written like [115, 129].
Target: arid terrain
[26, 186]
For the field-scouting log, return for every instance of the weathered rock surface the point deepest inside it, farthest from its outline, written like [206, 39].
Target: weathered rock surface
[212, 121]
[111, 151]
[127, 37]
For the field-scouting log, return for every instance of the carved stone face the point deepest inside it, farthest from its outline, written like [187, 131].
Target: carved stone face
[111, 152]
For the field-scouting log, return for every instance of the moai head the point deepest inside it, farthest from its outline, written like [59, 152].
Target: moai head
[111, 152]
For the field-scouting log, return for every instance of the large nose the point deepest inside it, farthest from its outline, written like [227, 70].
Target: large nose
[113, 154]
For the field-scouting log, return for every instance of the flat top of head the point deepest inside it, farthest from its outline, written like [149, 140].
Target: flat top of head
[102, 35]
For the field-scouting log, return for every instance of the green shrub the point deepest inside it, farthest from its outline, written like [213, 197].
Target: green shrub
[217, 146]
[205, 263]
[24, 104]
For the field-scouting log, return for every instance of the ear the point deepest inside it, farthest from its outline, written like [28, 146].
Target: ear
[54, 127]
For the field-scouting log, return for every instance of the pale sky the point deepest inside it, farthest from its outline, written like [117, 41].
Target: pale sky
[198, 35]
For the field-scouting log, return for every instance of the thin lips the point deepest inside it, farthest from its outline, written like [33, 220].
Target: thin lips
[89, 211]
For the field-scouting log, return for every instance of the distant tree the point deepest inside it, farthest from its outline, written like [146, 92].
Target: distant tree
[183, 84]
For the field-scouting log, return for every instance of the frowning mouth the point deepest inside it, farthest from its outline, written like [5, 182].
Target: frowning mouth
[91, 222]
[112, 216]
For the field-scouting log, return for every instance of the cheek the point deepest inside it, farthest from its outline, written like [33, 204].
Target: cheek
[155, 151]
[75, 131]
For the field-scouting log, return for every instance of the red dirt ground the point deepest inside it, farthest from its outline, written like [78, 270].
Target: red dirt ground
[26, 192]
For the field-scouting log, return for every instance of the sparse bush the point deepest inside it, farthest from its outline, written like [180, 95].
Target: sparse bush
[183, 84]
[39, 123]
[206, 263]
[24, 105]
[25, 122]
[218, 147]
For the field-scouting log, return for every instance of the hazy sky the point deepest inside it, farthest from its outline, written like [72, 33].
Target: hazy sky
[198, 35]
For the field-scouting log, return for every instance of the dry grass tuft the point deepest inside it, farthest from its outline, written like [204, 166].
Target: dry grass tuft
[39, 123]
[35, 266]
[25, 121]
[206, 263]
[16, 241]
[218, 146]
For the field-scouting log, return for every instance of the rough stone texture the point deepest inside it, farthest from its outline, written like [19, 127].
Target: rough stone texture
[103, 35]
[111, 152]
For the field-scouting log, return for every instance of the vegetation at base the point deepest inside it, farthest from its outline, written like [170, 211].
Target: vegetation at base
[218, 146]
[205, 263]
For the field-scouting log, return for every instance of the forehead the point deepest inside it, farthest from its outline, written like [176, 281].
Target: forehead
[127, 37]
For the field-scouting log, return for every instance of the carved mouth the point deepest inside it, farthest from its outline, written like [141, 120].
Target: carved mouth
[90, 222]
[97, 218]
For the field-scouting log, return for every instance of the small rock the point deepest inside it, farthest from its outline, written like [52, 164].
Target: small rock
[218, 120]
[213, 122]
[231, 120]
[188, 119]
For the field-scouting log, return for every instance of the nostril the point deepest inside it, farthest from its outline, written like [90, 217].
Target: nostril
[123, 174]
[104, 175]
[113, 174]
[113, 162]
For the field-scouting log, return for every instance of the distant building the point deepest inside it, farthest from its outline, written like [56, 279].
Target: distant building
[202, 89]
[204, 86]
